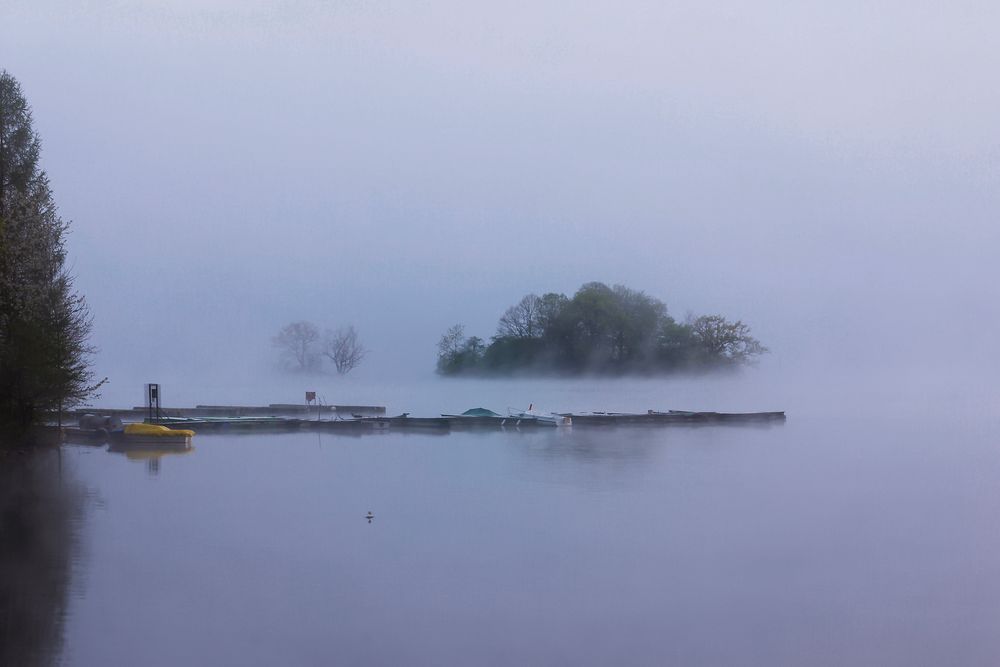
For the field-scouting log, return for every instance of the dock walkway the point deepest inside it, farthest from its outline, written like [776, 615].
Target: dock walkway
[358, 419]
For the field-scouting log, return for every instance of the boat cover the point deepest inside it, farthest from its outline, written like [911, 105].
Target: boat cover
[480, 412]
[157, 431]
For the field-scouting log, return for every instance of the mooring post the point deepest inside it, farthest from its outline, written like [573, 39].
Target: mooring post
[310, 397]
[153, 401]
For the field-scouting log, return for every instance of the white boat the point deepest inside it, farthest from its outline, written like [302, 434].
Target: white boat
[530, 416]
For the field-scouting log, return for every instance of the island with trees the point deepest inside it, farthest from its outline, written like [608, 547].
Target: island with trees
[600, 329]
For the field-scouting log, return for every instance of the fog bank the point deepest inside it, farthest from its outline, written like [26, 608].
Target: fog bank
[827, 174]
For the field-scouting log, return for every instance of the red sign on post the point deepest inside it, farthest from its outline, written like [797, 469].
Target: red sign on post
[310, 396]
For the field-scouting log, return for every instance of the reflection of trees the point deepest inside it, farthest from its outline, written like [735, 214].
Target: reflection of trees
[40, 508]
[597, 445]
[592, 458]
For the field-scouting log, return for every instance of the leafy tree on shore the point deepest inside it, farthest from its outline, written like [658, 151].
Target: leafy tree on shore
[45, 325]
[600, 329]
[457, 353]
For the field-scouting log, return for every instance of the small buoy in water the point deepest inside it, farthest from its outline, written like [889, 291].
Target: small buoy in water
[369, 516]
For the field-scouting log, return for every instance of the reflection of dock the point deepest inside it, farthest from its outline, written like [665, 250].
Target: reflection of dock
[354, 424]
[226, 424]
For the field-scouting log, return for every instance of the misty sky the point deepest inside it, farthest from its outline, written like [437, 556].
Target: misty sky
[826, 172]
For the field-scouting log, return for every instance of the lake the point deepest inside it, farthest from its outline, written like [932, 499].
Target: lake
[842, 536]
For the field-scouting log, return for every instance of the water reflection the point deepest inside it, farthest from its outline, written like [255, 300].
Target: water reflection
[151, 456]
[41, 506]
[703, 545]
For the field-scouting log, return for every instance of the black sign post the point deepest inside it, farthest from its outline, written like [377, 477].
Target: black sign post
[153, 401]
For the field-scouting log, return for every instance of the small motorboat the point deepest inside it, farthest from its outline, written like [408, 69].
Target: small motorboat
[529, 416]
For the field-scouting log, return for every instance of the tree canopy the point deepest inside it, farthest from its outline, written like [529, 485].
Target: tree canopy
[44, 324]
[600, 329]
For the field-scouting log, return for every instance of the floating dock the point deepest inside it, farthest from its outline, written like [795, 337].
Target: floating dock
[655, 418]
[140, 413]
[365, 419]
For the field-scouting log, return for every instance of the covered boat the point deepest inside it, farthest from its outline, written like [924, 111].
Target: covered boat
[529, 416]
[155, 436]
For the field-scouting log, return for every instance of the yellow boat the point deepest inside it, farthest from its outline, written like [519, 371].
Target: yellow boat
[155, 436]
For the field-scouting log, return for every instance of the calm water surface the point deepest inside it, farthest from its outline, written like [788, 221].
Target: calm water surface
[872, 540]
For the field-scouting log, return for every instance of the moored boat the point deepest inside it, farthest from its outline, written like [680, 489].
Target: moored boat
[530, 417]
[477, 418]
[153, 436]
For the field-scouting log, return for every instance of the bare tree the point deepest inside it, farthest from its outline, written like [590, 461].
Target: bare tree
[451, 341]
[522, 320]
[344, 349]
[724, 340]
[296, 341]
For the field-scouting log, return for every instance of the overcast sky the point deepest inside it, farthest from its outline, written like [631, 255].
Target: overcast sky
[827, 172]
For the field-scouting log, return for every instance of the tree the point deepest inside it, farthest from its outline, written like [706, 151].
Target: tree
[601, 329]
[344, 349]
[633, 335]
[522, 320]
[450, 349]
[728, 342]
[457, 354]
[550, 308]
[588, 325]
[296, 341]
[451, 340]
[45, 325]
[676, 346]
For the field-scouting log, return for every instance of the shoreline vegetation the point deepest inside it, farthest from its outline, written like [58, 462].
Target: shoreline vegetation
[601, 330]
[45, 325]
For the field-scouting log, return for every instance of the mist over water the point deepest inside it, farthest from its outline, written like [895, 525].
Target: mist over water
[826, 173]
[804, 389]
[860, 531]
[843, 536]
